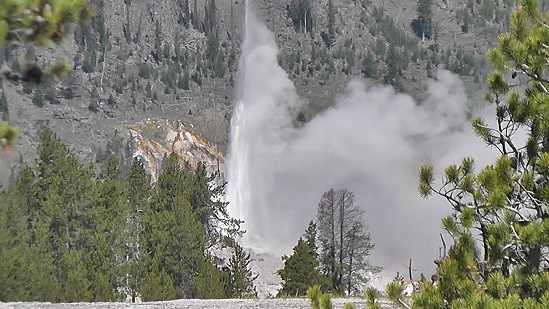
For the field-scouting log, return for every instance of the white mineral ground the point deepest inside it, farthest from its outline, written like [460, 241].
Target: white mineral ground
[195, 304]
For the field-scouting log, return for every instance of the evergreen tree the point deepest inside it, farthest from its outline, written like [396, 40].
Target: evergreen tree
[425, 18]
[110, 212]
[300, 269]
[4, 111]
[241, 277]
[210, 281]
[100, 262]
[38, 97]
[16, 264]
[205, 195]
[58, 221]
[195, 17]
[137, 193]
[68, 235]
[184, 82]
[369, 66]
[499, 220]
[157, 284]
[174, 238]
[35, 259]
[73, 284]
[300, 13]
[310, 237]
[331, 24]
[210, 18]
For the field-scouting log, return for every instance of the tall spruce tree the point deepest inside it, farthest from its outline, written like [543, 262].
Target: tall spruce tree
[331, 24]
[210, 282]
[425, 17]
[241, 277]
[300, 269]
[138, 192]
[174, 238]
[500, 221]
[4, 108]
[206, 198]
[110, 211]
[300, 13]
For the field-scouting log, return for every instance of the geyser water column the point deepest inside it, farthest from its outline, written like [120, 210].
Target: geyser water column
[372, 141]
[261, 122]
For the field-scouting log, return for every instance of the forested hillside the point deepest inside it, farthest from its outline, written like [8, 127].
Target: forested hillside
[177, 60]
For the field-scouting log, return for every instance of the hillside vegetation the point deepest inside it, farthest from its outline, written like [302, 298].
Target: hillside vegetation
[178, 60]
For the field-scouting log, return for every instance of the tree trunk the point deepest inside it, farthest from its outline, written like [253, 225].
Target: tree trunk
[349, 283]
[341, 227]
[332, 253]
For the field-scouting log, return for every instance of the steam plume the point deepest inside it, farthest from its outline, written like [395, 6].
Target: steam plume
[372, 142]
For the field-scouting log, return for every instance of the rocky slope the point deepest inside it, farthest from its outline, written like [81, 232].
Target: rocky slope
[177, 60]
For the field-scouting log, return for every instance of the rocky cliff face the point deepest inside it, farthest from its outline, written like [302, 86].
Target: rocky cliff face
[189, 147]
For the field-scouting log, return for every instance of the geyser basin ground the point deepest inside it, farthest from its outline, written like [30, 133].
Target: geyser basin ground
[193, 304]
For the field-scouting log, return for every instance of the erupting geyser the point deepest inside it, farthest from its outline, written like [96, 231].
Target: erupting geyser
[261, 120]
[372, 142]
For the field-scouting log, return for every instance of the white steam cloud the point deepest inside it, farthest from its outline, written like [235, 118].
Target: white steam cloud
[372, 142]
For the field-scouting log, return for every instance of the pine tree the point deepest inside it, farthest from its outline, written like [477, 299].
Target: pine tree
[210, 283]
[300, 269]
[62, 199]
[369, 66]
[137, 193]
[499, 220]
[300, 13]
[14, 238]
[241, 277]
[110, 213]
[73, 285]
[425, 17]
[205, 195]
[38, 97]
[157, 284]
[100, 263]
[4, 111]
[173, 237]
[210, 18]
[184, 81]
[331, 24]
[26, 273]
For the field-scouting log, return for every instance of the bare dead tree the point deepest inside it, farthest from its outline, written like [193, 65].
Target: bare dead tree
[345, 242]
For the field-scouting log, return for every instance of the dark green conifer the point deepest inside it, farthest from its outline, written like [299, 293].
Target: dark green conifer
[241, 277]
[300, 269]
[210, 282]
[498, 224]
